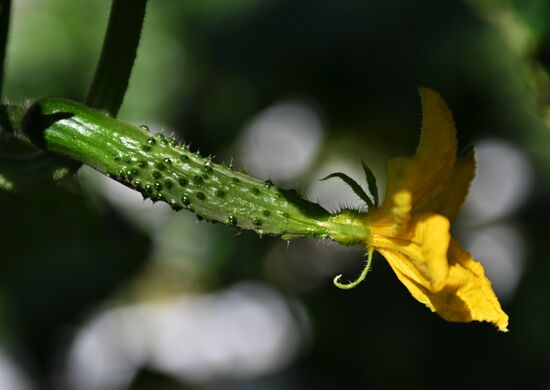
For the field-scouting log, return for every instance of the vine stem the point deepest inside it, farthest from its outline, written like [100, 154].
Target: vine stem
[22, 167]
[117, 57]
[5, 8]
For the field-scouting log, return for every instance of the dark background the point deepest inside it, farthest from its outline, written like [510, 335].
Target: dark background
[205, 70]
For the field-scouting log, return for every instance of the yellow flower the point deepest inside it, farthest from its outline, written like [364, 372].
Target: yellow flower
[411, 227]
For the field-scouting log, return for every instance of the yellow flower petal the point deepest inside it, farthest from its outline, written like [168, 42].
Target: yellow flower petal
[475, 289]
[402, 175]
[411, 228]
[436, 153]
[450, 199]
[437, 150]
[402, 210]
[421, 252]
[467, 294]
[425, 174]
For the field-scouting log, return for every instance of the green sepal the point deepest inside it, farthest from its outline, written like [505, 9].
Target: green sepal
[371, 182]
[353, 185]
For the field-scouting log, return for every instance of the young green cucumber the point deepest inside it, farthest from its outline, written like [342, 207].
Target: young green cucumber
[163, 170]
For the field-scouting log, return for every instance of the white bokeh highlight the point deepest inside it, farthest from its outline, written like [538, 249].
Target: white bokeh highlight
[502, 184]
[242, 332]
[501, 249]
[503, 180]
[144, 213]
[11, 376]
[281, 142]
